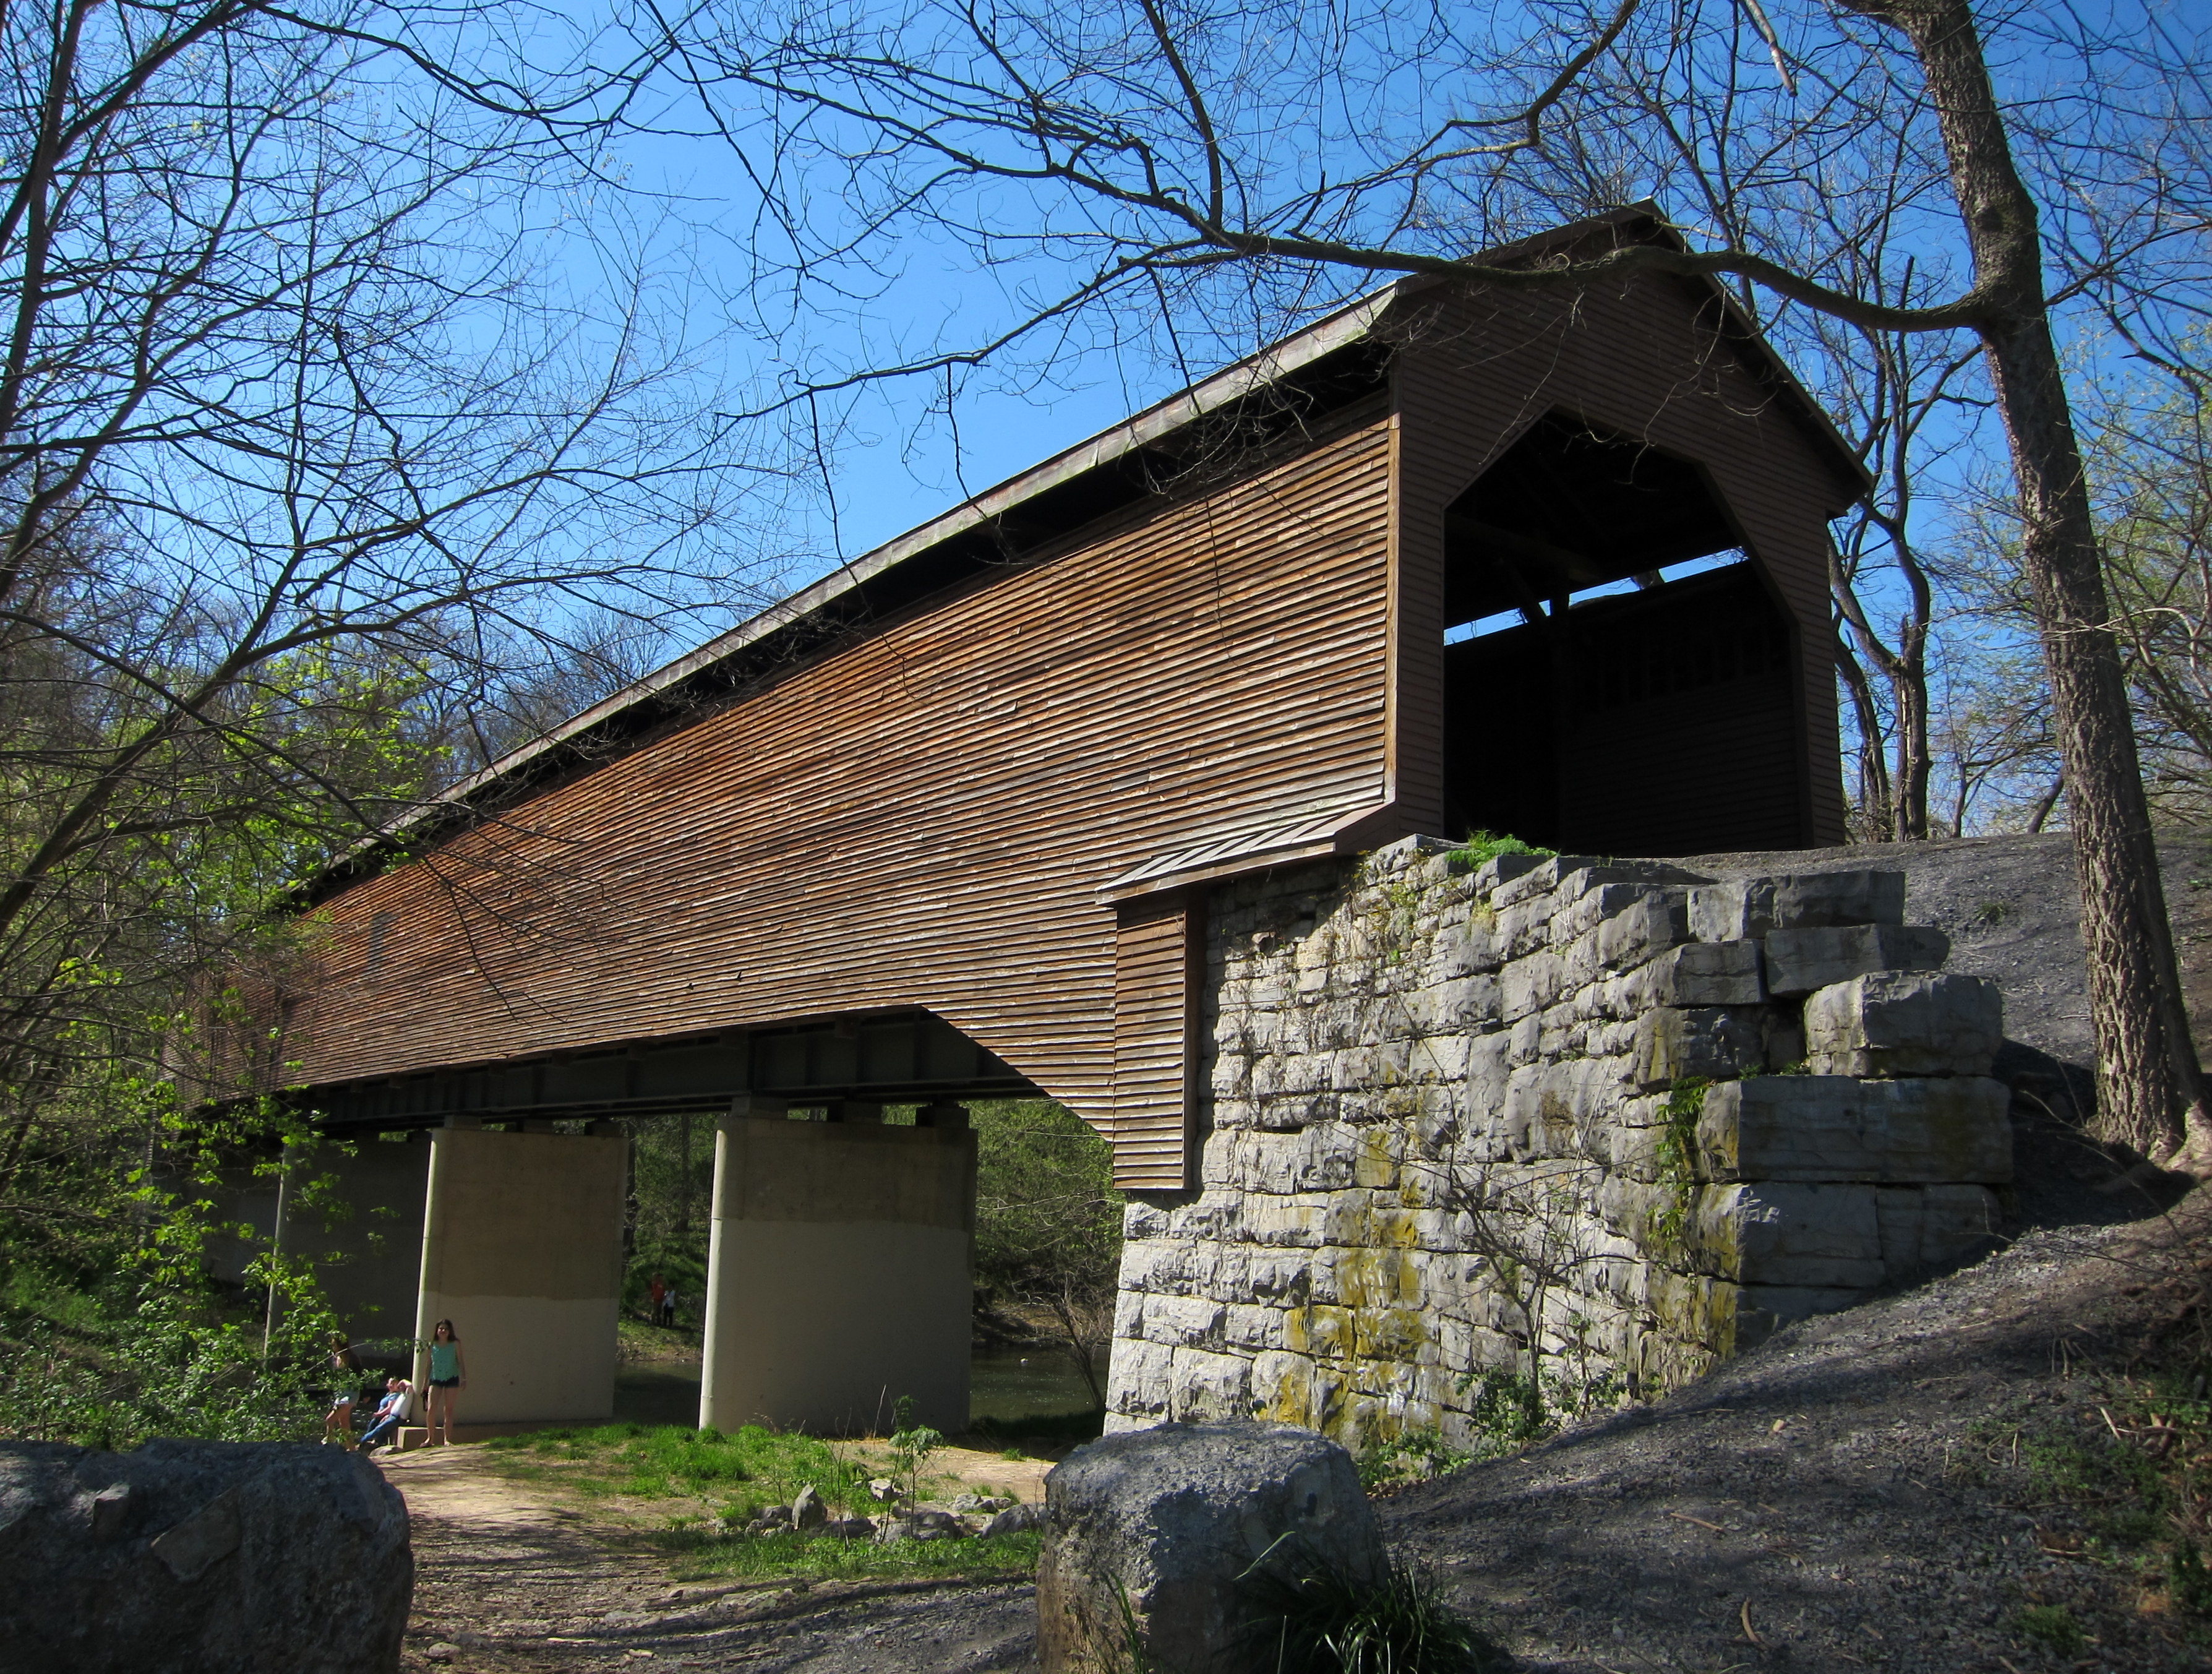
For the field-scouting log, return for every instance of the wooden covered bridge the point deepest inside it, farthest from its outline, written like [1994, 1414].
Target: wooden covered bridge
[942, 826]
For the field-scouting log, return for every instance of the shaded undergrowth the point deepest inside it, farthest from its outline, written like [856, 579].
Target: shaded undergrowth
[2123, 1480]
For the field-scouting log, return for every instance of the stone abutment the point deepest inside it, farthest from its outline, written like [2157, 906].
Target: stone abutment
[1562, 1127]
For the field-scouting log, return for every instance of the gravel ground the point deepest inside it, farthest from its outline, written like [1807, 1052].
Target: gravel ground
[1859, 1492]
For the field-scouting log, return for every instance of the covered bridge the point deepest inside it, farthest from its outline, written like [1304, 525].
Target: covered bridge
[942, 825]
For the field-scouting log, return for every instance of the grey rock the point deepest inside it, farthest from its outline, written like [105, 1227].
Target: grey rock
[1799, 961]
[1750, 907]
[1153, 1532]
[1904, 1023]
[1014, 1520]
[110, 1511]
[1822, 1128]
[201, 1540]
[1708, 973]
[1673, 1042]
[848, 1528]
[920, 1525]
[1769, 1232]
[808, 1513]
[1926, 1227]
[882, 1490]
[189, 1557]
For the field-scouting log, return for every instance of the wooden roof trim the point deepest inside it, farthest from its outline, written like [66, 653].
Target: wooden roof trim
[1742, 332]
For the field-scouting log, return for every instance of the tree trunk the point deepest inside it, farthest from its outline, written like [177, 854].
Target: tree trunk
[2150, 1083]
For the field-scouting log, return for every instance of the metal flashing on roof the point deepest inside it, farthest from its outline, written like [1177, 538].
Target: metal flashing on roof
[1254, 847]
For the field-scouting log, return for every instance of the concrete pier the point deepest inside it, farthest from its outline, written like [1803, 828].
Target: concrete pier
[839, 1278]
[522, 1250]
[358, 1217]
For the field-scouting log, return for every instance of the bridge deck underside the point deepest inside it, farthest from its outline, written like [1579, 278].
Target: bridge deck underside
[911, 1058]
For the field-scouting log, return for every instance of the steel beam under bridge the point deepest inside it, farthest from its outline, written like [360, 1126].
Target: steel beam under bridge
[903, 1057]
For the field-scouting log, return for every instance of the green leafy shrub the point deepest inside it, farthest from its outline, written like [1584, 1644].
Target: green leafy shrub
[1482, 846]
[1416, 1457]
[2053, 1628]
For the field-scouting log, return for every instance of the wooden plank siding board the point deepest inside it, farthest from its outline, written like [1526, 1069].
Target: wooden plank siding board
[922, 815]
[1155, 1014]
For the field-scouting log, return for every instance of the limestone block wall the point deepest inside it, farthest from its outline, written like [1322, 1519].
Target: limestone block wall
[1581, 1124]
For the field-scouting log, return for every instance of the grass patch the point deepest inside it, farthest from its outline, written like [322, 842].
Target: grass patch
[2053, 1628]
[732, 1478]
[740, 1472]
[701, 1555]
[2131, 1466]
[1482, 846]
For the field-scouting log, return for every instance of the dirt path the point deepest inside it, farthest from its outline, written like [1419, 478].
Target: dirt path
[508, 1577]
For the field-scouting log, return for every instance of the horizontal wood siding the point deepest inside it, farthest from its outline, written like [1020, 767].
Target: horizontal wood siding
[1155, 1000]
[921, 818]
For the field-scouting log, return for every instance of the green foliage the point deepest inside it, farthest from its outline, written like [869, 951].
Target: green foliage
[1482, 846]
[1048, 1225]
[110, 1331]
[1417, 1456]
[673, 1176]
[1512, 1408]
[1318, 1621]
[911, 1446]
[1678, 1159]
[2188, 1584]
[2053, 1628]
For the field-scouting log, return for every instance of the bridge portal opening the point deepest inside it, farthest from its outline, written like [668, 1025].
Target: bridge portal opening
[1619, 677]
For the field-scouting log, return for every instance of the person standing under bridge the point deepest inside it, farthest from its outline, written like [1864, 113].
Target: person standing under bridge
[449, 1376]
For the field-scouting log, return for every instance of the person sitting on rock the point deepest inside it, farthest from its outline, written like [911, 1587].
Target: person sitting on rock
[391, 1412]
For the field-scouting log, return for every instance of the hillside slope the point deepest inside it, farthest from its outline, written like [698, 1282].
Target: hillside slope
[1935, 1482]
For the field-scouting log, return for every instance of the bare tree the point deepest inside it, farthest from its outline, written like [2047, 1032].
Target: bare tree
[312, 445]
[1188, 156]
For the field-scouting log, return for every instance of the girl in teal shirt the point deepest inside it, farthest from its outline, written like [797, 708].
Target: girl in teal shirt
[449, 1376]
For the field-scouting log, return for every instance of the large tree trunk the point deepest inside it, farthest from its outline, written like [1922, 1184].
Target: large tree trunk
[2149, 1085]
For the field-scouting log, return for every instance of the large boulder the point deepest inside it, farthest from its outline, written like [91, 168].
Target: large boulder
[1153, 1539]
[200, 1557]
